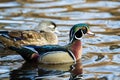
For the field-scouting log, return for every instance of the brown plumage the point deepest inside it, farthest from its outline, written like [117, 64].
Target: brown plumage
[43, 35]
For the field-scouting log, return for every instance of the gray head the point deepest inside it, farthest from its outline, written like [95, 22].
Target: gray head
[47, 26]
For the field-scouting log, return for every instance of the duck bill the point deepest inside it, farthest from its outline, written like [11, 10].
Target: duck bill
[91, 33]
[56, 31]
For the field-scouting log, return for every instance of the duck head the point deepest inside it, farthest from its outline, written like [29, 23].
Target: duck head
[47, 26]
[76, 34]
[78, 31]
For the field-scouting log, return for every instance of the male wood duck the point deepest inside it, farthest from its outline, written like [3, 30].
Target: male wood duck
[43, 34]
[56, 54]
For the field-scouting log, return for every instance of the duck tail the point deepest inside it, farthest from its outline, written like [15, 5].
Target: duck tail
[26, 53]
[13, 48]
[3, 32]
[6, 41]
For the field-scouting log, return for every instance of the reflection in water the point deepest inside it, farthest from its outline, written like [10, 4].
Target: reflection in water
[76, 71]
[45, 71]
[25, 72]
[101, 54]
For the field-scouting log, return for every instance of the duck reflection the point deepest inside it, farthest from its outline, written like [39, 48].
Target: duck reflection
[26, 72]
[76, 71]
[47, 72]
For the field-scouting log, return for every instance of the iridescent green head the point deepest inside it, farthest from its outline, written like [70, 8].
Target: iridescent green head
[79, 30]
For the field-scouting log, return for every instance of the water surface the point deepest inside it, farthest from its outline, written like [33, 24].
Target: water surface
[101, 54]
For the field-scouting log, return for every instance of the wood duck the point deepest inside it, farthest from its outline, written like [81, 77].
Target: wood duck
[43, 34]
[56, 54]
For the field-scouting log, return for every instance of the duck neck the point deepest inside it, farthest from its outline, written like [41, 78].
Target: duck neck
[76, 48]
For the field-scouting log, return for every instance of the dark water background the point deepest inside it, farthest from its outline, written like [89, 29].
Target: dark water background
[101, 54]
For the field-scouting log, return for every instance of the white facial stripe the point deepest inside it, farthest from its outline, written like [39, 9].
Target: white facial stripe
[81, 36]
[51, 26]
[72, 38]
[82, 33]
[78, 38]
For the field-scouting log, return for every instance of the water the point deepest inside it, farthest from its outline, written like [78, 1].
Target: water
[101, 54]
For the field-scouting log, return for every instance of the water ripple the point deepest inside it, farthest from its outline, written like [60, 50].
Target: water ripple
[100, 58]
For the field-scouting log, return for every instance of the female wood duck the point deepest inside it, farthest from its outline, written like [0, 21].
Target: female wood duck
[56, 54]
[43, 35]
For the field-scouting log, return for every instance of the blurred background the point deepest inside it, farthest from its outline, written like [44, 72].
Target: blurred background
[101, 54]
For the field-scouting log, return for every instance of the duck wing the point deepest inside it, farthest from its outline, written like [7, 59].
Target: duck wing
[47, 48]
[14, 35]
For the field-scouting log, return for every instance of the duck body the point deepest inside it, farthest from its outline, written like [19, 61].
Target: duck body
[30, 37]
[55, 54]
[19, 38]
[48, 54]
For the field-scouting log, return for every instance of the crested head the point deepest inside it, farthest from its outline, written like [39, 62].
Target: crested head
[47, 26]
[76, 34]
[78, 31]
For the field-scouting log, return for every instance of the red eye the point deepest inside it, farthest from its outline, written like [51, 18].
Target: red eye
[84, 29]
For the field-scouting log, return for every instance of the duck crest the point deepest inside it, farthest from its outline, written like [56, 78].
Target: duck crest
[76, 49]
